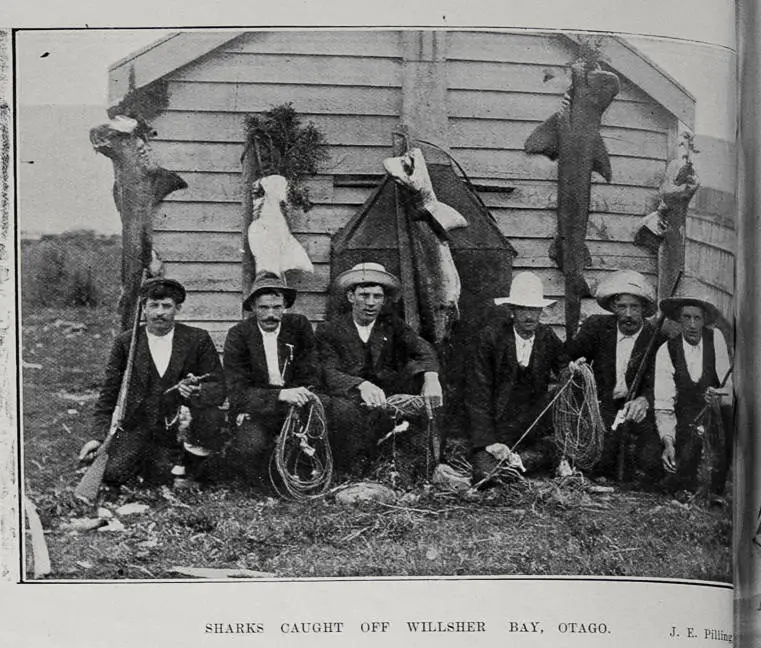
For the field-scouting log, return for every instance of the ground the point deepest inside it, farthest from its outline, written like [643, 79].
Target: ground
[529, 527]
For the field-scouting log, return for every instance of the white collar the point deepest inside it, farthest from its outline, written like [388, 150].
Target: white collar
[269, 334]
[620, 335]
[166, 338]
[520, 338]
[364, 327]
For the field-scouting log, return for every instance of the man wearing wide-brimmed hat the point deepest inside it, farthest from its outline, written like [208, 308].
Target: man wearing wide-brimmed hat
[270, 365]
[689, 370]
[514, 360]
[367, 355]
[615, 346]
[175, 365]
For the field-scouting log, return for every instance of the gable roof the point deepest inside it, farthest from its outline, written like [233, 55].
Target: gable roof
[167, 54]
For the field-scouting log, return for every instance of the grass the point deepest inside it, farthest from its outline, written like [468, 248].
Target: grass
[532, 527]
[538, 527]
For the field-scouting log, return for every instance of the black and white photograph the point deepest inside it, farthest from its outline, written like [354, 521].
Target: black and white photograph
[395, 310]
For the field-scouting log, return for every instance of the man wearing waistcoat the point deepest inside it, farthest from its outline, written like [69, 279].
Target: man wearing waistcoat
[270, 365]
[689, 369]
[155, 443]
[514, 360]
[615, 345]
[367, 355]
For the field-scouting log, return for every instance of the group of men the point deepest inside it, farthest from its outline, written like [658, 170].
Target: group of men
[353, 363]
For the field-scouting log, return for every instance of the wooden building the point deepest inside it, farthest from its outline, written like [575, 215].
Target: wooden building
[493, 88]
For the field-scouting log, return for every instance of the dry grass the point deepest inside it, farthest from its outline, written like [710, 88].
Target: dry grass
[529, 527]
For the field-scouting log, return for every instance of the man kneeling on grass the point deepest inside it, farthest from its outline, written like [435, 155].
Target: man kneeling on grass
[156, 442]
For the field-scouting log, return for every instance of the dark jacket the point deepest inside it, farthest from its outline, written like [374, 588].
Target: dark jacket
[246, 364]
[398, 354]
[192, 352]
[492, 370]
[596, 341]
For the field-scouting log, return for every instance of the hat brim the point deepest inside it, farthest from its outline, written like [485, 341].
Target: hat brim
[289, 296]
[672, 305]
[542, 303]
[351, 278]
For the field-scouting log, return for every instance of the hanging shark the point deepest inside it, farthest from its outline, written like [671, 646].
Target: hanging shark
[437, 280]
[572, 136]
[140, 184]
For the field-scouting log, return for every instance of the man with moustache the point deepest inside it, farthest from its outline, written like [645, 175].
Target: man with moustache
[366, 355]
[270, 365]
[689, 369]
[514, 360]
[615, 345]
[175, 365]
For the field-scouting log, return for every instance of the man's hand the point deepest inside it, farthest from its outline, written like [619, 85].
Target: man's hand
[636, 410]
[668, 458]
[298, 396]
[371, 394]
[88, 451]
[189, 386]
[713, 396]
[499, 451]
[575, 365]
[431, 392]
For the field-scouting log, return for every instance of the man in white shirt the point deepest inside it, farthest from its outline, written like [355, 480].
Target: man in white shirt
[615, 346]
[156, 443]
[513, 362]
[689, 371]
[270, 365]
[366, 355]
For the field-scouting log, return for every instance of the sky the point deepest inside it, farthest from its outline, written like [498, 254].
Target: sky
[62, 93]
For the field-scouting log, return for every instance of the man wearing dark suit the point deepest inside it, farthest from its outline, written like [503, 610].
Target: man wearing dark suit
[169, 360]
[615, 345]
[514, 359]
[270, 365]
[367, 356]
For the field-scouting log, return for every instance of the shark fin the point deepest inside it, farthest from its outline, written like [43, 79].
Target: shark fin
[544, 139]
[601, 161]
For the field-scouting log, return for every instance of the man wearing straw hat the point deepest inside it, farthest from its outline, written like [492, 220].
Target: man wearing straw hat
[366, 355]
[689, 372]
[615, 346]
[515, 357]
[270, 364]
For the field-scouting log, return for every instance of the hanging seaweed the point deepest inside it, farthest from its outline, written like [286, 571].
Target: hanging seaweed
[284, 146]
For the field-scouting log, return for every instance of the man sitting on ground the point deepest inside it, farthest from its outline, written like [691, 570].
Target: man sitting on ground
[689, 369]
[515, 358]
[170, 358]
[270, 365]
[366, 356]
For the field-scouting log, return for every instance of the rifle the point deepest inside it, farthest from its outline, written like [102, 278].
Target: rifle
[631, 394]
[87, 490]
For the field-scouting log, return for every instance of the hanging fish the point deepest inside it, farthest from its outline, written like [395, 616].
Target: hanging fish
[438, 282]
[140, 184]
[572, 136]
[273, 246]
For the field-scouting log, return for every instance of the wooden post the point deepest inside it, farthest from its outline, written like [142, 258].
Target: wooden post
[251, 170]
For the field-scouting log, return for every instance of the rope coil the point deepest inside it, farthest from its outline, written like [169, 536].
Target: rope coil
[301, 465]
[576, 418]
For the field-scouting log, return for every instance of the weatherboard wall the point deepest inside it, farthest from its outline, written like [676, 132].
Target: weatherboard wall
[500, 87]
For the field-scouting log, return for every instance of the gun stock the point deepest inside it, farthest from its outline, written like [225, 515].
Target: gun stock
[89, 485]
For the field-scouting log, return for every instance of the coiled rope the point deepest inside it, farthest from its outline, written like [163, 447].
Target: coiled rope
[301, 466]
[576, 418]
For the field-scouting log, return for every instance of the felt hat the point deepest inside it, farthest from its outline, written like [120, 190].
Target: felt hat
[174, 289]
[369, 273]
[626, 282]
[271, 282]
[671, 307]
[526, 290]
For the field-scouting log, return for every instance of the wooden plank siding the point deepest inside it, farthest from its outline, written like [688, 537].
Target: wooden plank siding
[349, 83]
